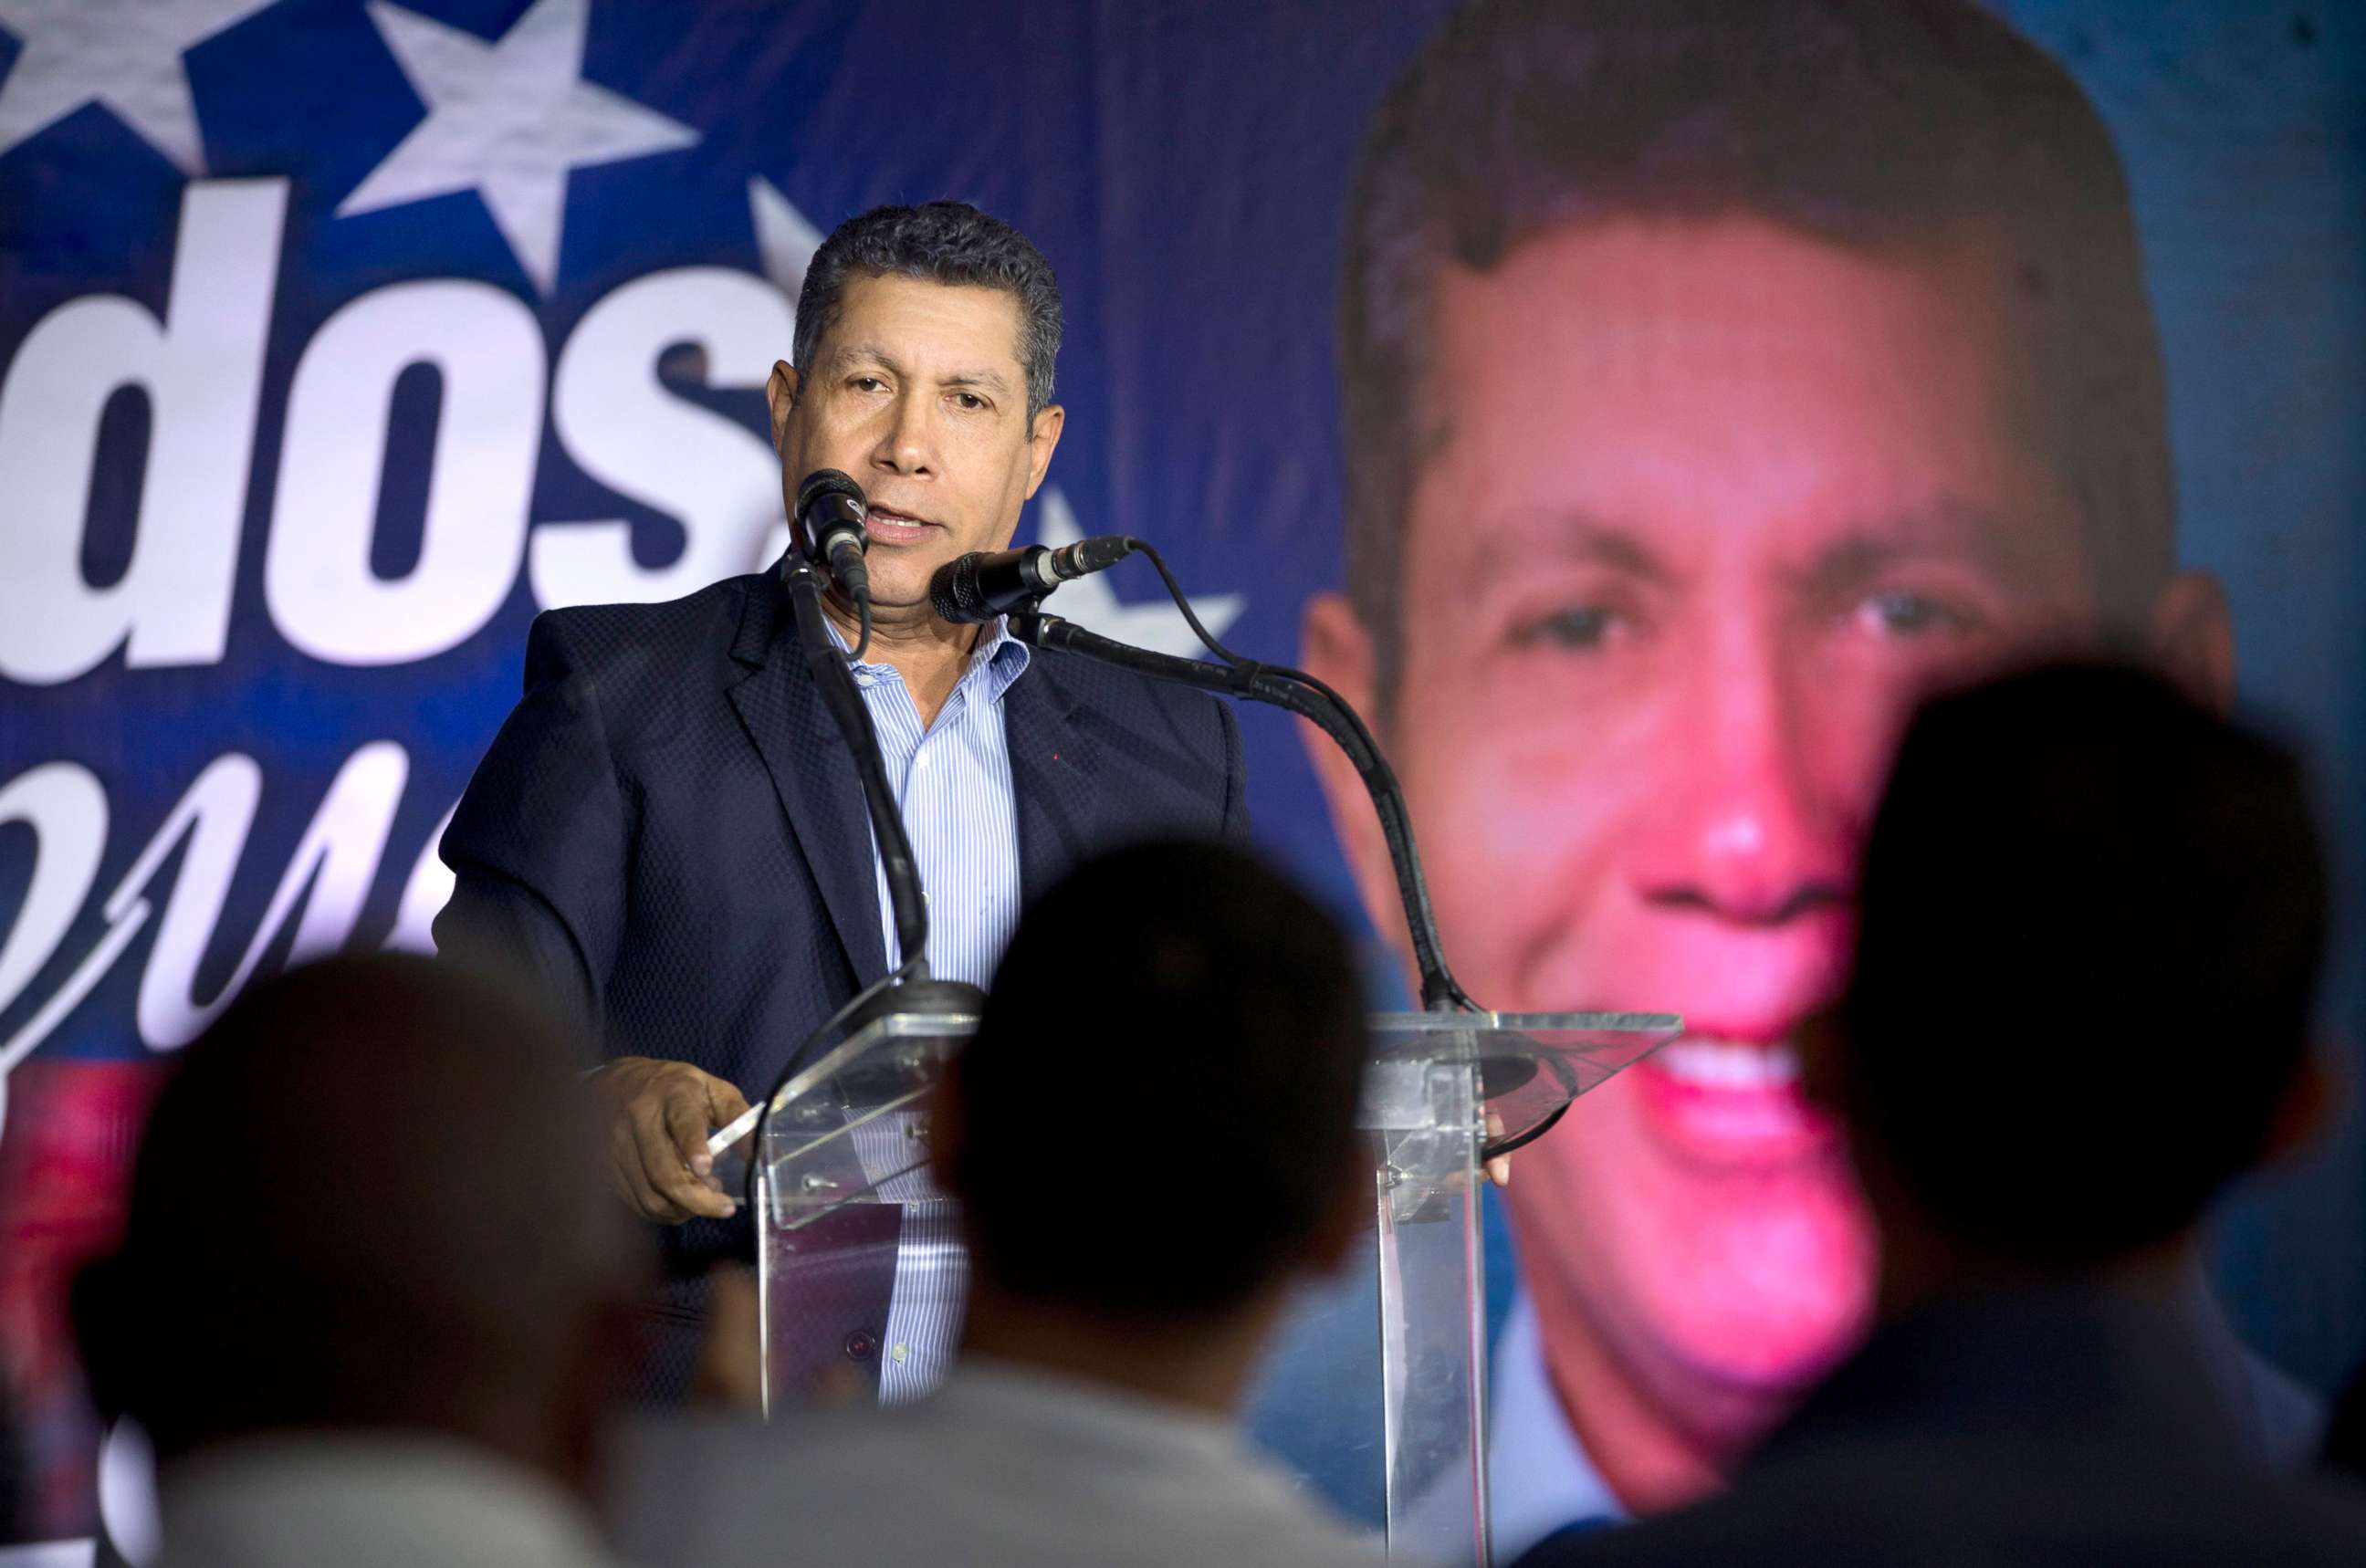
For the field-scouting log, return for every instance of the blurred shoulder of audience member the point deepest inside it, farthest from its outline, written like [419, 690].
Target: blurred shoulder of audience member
[370, 1298]
[1152, 1137]
[2094, 919]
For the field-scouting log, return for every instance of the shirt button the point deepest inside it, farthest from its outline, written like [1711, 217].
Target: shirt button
[898, 1354]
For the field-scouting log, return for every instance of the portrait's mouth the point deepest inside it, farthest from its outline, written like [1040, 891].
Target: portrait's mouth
[888, 526]
[1731, 1101]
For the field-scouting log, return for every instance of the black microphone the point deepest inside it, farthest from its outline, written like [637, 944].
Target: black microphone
[829, 528]
[978, 587]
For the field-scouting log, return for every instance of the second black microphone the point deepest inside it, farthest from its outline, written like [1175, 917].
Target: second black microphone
[978, 587]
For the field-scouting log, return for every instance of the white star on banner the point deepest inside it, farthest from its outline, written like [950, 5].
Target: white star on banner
[1093, 605]
[508, 119]
[124, 54]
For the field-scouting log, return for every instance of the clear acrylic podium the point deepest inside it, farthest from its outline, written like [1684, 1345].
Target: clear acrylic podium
[843, 1174]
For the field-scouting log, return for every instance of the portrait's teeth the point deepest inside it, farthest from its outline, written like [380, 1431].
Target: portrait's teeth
[1727, 1064]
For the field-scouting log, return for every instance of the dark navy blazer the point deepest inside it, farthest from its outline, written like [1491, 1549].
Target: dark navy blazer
[668, 835]
[2052, 1429]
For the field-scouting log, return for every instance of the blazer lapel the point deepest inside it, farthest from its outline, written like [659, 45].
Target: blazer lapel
[813, 774]
[1054, 766]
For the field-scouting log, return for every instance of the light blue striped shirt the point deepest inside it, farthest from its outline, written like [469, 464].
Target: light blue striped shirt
[952, 783]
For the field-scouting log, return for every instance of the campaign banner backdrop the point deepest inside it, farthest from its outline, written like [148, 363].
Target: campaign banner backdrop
[342, 337]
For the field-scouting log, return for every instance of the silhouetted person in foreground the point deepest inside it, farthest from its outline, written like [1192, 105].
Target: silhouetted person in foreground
[1150, 1136]
[2093, 924]
[371, 1293]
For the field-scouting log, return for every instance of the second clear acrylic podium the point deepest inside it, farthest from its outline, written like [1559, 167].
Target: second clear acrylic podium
[858, 1245]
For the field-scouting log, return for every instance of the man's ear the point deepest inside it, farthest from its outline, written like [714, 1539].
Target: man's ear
[2193, 639]
[1042, 437]
[1335, 648]
[781, 395]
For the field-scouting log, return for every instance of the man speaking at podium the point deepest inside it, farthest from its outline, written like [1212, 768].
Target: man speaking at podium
[669, 835]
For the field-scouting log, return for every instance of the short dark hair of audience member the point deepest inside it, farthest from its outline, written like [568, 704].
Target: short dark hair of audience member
[937, 242]
[2093, 918]
[368, 1199]
[1154, 1124]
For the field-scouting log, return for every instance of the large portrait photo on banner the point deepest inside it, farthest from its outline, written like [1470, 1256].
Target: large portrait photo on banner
[1632, 407]
[1715, 381]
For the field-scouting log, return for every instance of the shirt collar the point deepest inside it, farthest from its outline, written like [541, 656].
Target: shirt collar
[1538, 1477]
[1055, 1407]
[422, 1500]
[1003, 657]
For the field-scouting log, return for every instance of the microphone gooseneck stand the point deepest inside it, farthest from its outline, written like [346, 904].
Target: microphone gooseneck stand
[1302, 694]
[909, 988]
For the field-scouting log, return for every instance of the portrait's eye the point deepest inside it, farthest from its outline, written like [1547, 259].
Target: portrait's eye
[1902, 613]
[970, 401]
[866, 383]
[1580, 626]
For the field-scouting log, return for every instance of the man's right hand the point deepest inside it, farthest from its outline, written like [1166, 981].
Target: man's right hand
[662, 1112]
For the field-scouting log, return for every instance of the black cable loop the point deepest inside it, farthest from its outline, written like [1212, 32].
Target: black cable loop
[1440, 991]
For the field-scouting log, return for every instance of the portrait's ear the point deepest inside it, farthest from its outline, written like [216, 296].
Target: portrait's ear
[781, 395]
[1042, 437]
[1335, 648]
[2193, 639]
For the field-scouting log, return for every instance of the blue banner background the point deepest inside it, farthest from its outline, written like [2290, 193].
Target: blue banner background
[1183, 165]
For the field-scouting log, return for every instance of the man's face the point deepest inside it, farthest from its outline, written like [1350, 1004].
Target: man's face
[1706, 506]
[917, 391]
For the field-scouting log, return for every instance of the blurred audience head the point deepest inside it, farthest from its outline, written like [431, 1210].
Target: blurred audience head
[368, 1199]
[1154, 1127]
[2093, 917]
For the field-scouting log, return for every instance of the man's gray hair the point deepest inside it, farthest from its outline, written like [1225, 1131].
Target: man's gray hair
[941, 242]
